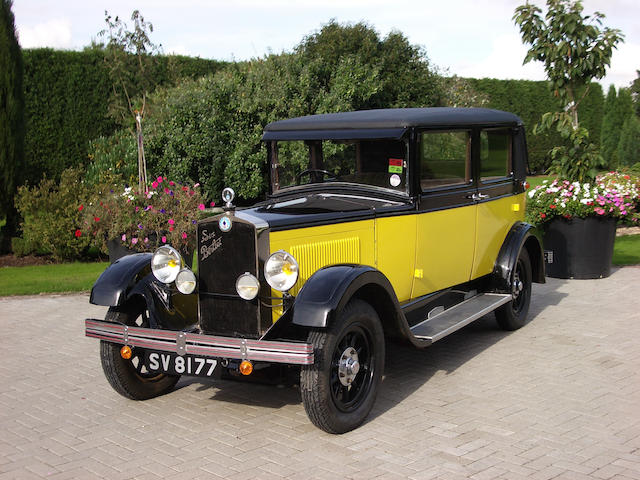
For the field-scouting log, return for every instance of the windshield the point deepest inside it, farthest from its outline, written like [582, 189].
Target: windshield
[379, 163]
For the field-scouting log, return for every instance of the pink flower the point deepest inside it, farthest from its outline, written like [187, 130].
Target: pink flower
[146, 239]
[124, 237]
[201, 206]
[599, 211]
[166, 189]
[172, 183]
[212, 204]
[184, 236]
[196, 185]
[154, 184]
[164, 239]
[134, 240]
[159, 179]
[171, 221]
[171, 229]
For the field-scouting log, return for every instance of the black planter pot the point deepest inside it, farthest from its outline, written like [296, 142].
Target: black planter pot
[579, 248]
[117, 250]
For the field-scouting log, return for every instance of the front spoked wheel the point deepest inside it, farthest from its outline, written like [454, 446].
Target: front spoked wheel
[339, 389]
[130, 378]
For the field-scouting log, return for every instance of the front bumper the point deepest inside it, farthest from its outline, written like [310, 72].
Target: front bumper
[183, 343]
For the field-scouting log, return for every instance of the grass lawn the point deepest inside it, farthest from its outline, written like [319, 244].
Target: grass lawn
[626, 250]
[537, 180]
[55, 278]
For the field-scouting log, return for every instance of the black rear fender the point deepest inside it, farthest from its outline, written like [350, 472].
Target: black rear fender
[522, 235]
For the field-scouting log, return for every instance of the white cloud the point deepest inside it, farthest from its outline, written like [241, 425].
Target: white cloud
[52, 33]
[503, 60]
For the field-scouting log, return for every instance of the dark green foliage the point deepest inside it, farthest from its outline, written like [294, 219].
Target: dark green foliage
[117, 154]
[209, 130]
[530, 100]
[618, 107]
[11, 115]
[67, 95]
[628, 151]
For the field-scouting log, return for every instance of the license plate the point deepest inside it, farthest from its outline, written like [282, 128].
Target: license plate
[173, 364]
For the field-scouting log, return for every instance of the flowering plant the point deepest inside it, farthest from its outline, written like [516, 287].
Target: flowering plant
[611, 195]
[166, 214]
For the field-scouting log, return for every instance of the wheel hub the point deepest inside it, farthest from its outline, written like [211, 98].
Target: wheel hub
[348, 366]
[517, 286]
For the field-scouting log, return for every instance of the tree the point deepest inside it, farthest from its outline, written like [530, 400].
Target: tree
[11, 118]
[618, 108]
[130, 55]
[629, 145]
[575, 50]
[635, 93]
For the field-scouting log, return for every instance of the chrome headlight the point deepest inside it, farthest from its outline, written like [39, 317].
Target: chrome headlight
[166, 263]
[281, 271]
[186, 281]
[247, 286]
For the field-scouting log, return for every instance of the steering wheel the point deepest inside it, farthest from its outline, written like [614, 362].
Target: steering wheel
[308, 171]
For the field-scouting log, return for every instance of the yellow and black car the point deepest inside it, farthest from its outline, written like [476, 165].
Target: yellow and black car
[398, 223]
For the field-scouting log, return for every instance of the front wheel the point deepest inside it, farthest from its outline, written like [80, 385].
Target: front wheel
[513, 315]
[130, 378]
[339, 389]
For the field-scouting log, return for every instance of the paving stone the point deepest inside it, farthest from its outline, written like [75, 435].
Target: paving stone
[557, 399]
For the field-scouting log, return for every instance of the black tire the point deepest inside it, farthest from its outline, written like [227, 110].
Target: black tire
[356, 335]
[130, 378]
[513, 315]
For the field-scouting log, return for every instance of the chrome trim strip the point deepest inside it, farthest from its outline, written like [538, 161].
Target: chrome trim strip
[205, 345]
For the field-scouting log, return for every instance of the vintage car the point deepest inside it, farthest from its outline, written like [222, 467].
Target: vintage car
[380, 224]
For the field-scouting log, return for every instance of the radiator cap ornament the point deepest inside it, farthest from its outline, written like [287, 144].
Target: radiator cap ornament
[227, 196]
[224, 224]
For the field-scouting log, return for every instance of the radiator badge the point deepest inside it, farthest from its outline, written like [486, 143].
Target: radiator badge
[225, 224]
[209, 243]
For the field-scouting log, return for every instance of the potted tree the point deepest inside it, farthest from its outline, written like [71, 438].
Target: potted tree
[578, 231]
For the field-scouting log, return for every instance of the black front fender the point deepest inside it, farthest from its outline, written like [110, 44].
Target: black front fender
[329, 289]
[130, 277]
[115, 284]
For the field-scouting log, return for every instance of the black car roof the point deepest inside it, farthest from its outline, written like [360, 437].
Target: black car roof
[388, 123]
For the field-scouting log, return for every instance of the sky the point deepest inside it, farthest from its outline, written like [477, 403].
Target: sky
[469, 38]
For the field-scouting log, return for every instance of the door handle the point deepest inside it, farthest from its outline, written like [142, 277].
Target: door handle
[476, 197]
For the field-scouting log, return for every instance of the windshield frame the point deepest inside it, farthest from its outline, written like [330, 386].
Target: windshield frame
[276, 191]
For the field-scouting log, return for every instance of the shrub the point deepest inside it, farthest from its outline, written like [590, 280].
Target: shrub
[629, 144]
[117, 154]
[51, 219]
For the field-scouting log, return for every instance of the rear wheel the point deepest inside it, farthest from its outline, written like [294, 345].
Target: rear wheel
[130, 378]
[513, 315]
[339, 389]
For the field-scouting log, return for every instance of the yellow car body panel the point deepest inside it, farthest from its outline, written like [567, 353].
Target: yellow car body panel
[494, 220]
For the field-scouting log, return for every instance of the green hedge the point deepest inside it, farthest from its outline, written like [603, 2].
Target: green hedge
[529, 100]
[66, 99]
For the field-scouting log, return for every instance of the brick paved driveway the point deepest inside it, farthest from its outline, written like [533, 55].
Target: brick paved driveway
[559, 398]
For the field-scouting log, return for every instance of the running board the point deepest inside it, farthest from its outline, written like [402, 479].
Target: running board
[454, 318]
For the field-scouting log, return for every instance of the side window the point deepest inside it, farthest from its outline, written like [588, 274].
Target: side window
[495, 154]
[444, 159]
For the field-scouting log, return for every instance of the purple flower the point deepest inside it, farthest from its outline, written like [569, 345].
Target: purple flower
[140, 226]
[162, 210]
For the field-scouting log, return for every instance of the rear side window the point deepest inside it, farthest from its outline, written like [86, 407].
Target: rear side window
[444, 159]
[495, 154]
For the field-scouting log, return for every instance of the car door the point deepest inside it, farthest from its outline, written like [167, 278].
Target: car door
[446, 220]
[498, 206]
